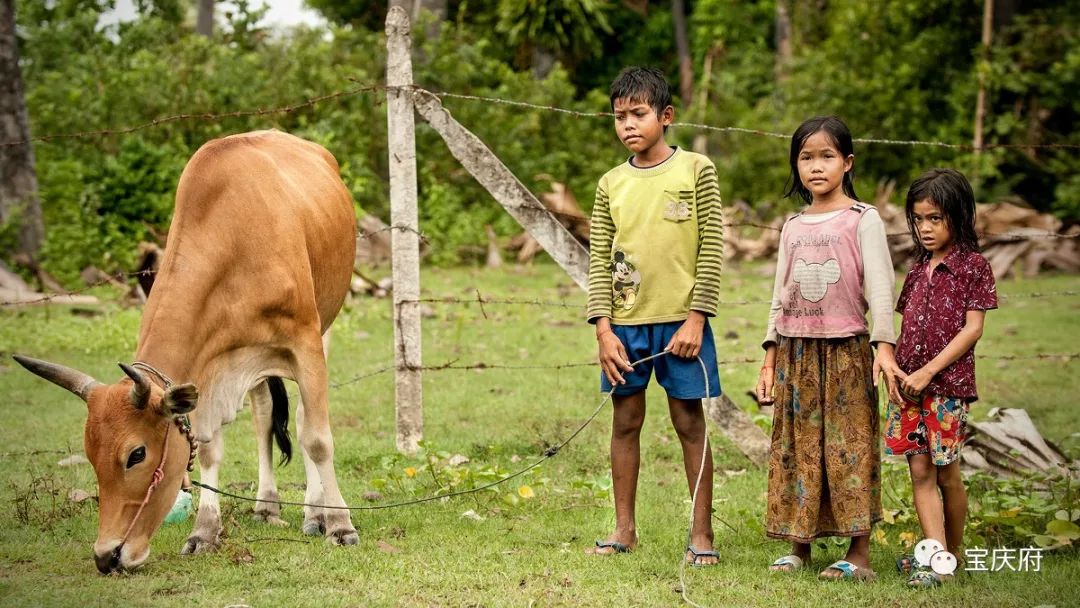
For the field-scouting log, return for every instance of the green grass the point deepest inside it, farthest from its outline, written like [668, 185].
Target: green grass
[519, 554]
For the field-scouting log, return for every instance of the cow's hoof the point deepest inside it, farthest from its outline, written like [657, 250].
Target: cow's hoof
[198, 544]
[344, 536]
[269, 512]
[270, 518]
[314, 527]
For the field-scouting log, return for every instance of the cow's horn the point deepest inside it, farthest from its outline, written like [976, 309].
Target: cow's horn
[140, 392]
[73, 380]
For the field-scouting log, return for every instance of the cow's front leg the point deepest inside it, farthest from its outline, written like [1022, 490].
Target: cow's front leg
[318, 445]
[262, 414]
[206, 537]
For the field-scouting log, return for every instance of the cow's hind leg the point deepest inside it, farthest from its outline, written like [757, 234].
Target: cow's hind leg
[261, 414]
[206, 537]
[314, 523]
[318, 442]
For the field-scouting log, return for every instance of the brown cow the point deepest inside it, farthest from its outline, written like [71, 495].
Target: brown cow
[257, 266]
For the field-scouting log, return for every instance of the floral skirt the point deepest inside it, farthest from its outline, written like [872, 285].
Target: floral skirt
[825, 459]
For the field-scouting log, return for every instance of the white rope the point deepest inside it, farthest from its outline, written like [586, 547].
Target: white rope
[694, 495]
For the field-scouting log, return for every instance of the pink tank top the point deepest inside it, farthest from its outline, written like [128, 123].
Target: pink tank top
[822, 293]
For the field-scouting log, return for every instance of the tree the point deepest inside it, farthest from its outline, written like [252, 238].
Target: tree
[682, 45]
[204, 26]
[567, 30]
[19, 204]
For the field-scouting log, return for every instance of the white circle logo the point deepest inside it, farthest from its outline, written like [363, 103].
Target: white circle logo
[943, 563]
[925, 549]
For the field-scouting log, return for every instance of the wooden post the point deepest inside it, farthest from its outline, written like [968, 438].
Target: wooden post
[498, 180]
[405, 242]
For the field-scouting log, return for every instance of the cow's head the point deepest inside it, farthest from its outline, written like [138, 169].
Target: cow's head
[129, 426]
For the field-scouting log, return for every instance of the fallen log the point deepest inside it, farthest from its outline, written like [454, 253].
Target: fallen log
[1008, 444]
[739, 428]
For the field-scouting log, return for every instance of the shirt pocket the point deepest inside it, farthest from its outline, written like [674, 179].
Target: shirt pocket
[678, 205]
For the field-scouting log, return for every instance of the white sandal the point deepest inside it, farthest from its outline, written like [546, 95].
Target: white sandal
[794, 561]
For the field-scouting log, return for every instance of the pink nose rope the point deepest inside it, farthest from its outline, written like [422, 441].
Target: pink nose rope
[155, 479]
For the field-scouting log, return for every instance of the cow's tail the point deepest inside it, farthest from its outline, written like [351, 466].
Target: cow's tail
[279, 418]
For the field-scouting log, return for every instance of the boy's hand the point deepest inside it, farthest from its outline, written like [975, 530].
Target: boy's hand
[686, 342]
[613, 359]
[917, 382]
[885, 363]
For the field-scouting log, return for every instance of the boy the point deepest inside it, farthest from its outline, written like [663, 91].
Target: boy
[656, 252]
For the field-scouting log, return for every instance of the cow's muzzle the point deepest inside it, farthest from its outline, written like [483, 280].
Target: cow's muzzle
[109, 562]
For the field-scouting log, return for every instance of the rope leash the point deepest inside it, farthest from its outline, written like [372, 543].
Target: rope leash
[548, 454]
[694, 496]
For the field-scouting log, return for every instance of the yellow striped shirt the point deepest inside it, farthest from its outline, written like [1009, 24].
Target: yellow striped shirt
[656, 242]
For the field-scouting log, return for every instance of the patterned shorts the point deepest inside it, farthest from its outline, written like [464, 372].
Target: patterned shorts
[937, 427]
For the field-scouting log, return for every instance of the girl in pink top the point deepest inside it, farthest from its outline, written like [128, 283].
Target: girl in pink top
[833, 267]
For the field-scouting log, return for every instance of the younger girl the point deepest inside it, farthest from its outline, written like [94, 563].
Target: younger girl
[833, 266]
[945, 297]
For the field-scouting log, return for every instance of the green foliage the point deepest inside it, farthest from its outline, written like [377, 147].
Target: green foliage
[435, 472]
[570, 28]
[896, 69]
[1038, 510]
[1034, 510]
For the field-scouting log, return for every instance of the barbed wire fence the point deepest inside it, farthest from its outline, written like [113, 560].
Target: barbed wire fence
[367, 88]
[481, 300]
[362, 88]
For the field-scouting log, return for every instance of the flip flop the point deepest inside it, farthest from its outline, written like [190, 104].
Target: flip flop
[794, 561]
[848, 571]
[700, 554]
[924, 578]
[905, 563]
[611, 544]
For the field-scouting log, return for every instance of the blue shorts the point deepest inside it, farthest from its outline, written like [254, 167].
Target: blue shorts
[681, 378]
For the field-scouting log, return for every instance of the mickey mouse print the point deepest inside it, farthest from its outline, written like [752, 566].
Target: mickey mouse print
[625, 281]
[814, 279]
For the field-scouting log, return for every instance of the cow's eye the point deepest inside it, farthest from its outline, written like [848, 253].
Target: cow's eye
[137, 455]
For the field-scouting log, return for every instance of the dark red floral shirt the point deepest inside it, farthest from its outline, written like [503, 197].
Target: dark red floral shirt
[935, 311]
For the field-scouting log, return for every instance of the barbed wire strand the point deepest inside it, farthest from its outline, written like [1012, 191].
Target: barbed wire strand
[482, 299]
[996, 237]
[119, 277]
[548, 453]
[374, 87]
[199, 116]
[743, 130]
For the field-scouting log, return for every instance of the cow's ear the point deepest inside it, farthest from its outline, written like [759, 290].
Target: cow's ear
[180, 399]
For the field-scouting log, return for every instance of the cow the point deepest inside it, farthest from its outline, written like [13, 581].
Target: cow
[257, 265]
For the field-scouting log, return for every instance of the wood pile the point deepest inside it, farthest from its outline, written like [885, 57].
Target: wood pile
[1015, 239]
[372, 241]
[747, 236]
[560, 201]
